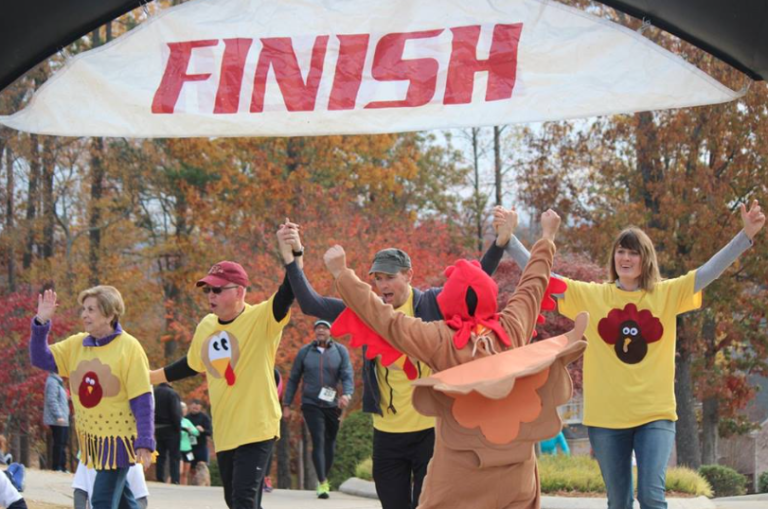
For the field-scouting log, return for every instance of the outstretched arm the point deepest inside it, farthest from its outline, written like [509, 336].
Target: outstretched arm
[753, 221]
[412, 336]
[311, 302]
[522, 309]
[504, 224]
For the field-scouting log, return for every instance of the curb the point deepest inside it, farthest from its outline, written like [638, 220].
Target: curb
[360, 488]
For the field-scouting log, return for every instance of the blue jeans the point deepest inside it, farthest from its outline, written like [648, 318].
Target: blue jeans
[652, 443]
[110, 491]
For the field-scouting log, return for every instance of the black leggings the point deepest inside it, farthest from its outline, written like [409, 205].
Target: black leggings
[60, 436]
[242, 473]
[399, 465]
[323, 424]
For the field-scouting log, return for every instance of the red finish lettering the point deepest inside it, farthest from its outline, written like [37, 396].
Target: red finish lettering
[388, 65]
[278, 53]
[231, 80]
[175, 75]
[501, 63]
[349, 71]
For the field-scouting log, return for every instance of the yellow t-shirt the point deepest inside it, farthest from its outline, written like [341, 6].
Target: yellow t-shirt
[102, 381]
[629, 365]
[396, 391]
[238, 359]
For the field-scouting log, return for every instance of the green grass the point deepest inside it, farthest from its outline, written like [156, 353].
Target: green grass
[580, 474]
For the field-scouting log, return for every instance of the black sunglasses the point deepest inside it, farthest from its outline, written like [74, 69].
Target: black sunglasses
[216, 289]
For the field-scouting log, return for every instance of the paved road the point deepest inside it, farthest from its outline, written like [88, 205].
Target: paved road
[55, 488]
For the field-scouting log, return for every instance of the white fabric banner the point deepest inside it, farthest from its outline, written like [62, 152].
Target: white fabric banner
[314, 67]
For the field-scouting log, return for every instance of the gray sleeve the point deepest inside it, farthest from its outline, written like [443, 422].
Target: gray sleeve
[310, 302]
[347, 374]
[293, 380]
[716, 265]
[517, 251]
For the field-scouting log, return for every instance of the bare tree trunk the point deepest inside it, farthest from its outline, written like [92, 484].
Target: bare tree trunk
[48, 201]
[477, 197]
[310, 476]
[284, 457]
[94, 220]
[497, 162]
[300, 460]
[32, 197]
[97, 190]
[687, 436]
[710, 412]
[647, 148]
[10, 227]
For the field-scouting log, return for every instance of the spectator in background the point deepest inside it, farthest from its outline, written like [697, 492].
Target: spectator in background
[189, 434]
[56, 417]
[10, 498]
[167, 431]
[202, 421]
[324, 367]
[550, 446]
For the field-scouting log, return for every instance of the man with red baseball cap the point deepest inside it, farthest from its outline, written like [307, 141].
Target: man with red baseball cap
[235, 346]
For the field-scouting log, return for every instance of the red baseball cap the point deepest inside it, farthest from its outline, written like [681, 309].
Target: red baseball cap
[225, 272]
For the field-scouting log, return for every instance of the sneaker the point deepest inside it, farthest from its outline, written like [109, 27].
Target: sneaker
[268, 484]
[323, 490]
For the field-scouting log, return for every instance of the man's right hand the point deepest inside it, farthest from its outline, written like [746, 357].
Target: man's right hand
[286, 412]
[550, 222]
[504, 224]
[157, 376]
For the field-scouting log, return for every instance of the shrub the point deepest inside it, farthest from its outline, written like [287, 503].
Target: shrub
[213, 468]
[364, 470]
[354, 444]
[581, 474]
[762, 483]
[725, 481]
[685, 480]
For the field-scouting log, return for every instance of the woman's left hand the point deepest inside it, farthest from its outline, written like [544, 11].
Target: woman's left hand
[753, 220]
[144, 456]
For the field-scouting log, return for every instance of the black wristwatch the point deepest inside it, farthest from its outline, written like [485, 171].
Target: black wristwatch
[296, 254]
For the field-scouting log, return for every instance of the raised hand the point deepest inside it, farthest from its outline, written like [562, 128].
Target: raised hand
[504, 224]
[288, 240]
[335, 260]
[550, 222]
[753, 220]
[46, 305]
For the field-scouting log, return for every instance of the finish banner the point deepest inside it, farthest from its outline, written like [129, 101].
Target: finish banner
[316, 67]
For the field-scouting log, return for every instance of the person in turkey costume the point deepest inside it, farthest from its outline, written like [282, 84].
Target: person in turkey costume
[491, 405]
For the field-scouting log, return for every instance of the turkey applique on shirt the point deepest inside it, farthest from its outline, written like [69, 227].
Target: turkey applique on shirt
[220, 353]
[94, 381]
[630, 331]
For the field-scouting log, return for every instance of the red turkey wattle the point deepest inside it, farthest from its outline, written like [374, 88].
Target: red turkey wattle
[90, 391]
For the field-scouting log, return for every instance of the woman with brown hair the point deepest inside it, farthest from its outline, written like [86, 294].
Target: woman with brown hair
[629, 367]
[108, 375]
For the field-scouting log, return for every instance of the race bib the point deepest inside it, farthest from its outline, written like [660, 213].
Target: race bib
[327, 394]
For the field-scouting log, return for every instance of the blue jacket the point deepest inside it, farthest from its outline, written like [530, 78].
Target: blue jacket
[320, 369]
[328, 308]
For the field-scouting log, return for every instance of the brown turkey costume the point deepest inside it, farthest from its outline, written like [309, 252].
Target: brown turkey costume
[491, 407]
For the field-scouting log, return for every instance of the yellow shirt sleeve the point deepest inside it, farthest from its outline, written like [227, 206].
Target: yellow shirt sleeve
[682, 291]
[194, 360]
[273, 326]
[62, 353]
[573, 300]
[137, 374]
